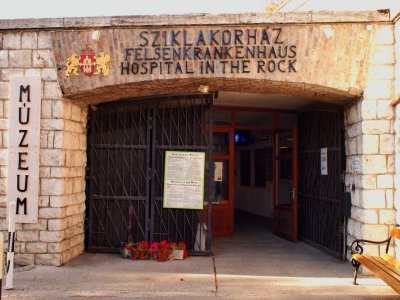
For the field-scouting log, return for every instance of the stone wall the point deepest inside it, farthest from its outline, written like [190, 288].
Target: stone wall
[58, 236]
[370, 138]
[397, 126]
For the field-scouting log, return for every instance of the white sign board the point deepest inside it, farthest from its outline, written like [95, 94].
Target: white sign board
[324, 161]
[24, 145]
[184, 180]
[356, 164]
[218, 171]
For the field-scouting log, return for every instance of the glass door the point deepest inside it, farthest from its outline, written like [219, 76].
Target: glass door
[285, 185]
[222, 207]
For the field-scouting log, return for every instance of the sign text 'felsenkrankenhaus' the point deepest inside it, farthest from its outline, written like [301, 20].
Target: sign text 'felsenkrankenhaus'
[211, 51]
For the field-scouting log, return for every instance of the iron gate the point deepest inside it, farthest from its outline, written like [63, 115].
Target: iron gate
[127, 145]
[321, 197]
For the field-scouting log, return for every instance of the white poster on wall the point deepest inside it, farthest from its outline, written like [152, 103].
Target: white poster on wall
[184, 179]
[324, 161]
[24, 146]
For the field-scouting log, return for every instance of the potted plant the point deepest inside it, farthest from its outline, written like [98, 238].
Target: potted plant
[179, 250]
[126, 249]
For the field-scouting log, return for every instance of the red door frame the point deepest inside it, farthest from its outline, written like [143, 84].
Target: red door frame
[228, 205]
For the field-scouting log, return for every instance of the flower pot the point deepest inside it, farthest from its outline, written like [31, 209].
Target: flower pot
[126, 253]
[177, 254]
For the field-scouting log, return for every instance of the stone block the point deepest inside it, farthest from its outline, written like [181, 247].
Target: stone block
[369, 216]
[376, 126]
[379, 89]
[52, 124]
[75, 113]
[43, 59]
[385, 110]
[75, 209]
[12, 40]
[44, 201]
[57, 224]
[368, 109]
[382, 55]
[383, 35]
[20, 58]
[27, 236]
[6, 74]
[52, 157]
[3, 58]
[371, 249]
[51, 90]
[40, 225]
[385, 181]
[386, 144]
[46, 109]
[72, 126]
[29, 40]
[374, 232]
[387, 216]
[59, 172]
[373, 199]
[374, 164]
[60, 201]
[381, 72]
[367, 182]
[61, 109]
[24, 259]
[75, 158]
[36, 247]
[389, 198]
[44, 40]
[391, 166]
[33, 72]
[354, 114]
[59, 247]
[352, 146]
[49, 74]
[370, 144]
[354, 228]
[4, 90]
[51, 212]
[44, 172]
[83, 142]
[51, 236]
[48, 259]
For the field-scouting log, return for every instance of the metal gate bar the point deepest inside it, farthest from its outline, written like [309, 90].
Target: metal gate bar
[127, 144]
[321, 197]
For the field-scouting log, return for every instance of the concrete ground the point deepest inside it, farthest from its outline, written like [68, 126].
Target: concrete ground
[252, 264]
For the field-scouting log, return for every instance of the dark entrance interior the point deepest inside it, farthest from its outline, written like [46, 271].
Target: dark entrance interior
[263, 165]
[254, 153]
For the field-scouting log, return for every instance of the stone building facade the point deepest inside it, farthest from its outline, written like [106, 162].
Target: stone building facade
[360, 50]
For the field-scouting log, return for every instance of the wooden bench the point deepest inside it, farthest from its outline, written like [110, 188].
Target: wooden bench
[386, 267]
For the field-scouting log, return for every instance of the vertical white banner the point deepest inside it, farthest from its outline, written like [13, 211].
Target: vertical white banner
[24, 146]
[324, 161]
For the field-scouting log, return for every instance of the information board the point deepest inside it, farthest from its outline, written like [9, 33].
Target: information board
[184, 180]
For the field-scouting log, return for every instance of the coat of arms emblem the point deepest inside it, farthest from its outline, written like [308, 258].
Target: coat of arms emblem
[88, 62]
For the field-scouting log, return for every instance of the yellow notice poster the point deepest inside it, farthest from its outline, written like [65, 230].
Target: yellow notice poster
[184, 180]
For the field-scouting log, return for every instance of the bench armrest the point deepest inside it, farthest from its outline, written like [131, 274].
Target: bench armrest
[357, 248]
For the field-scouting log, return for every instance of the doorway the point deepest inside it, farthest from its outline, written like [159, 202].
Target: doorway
[255, 161]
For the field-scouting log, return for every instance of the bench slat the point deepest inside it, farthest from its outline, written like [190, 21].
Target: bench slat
[391, 260]
[380, 270]
[395, 232]
[389, 268]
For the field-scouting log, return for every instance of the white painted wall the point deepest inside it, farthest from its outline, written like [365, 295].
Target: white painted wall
[252, 199]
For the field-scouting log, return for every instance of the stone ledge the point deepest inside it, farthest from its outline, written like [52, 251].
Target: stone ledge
[199, 19]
